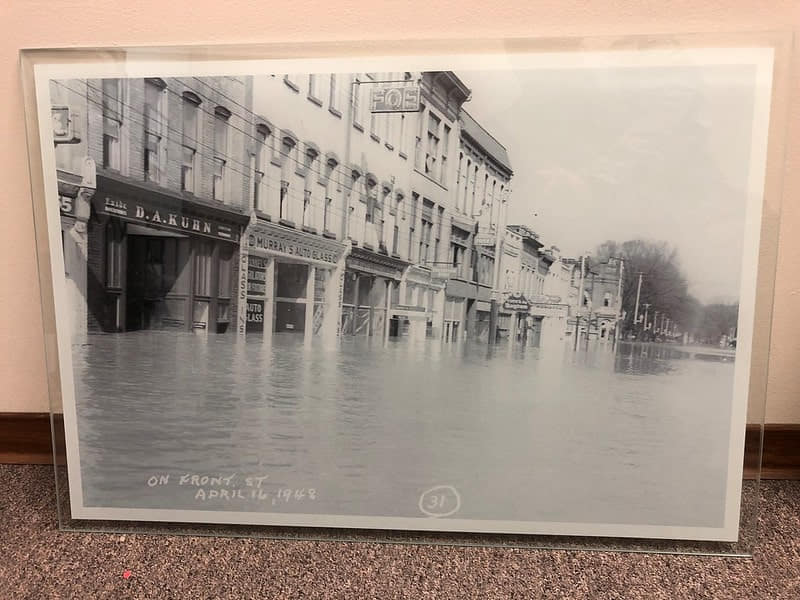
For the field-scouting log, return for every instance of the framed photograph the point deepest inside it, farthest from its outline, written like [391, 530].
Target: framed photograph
[509, 291]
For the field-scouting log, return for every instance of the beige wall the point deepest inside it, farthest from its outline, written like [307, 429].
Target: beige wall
[26, 23]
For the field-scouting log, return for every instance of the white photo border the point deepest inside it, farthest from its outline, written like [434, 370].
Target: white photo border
[762, 58]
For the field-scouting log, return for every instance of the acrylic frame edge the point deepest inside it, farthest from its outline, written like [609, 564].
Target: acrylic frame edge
[781, 42]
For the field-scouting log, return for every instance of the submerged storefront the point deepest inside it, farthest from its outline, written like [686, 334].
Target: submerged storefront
[157, 260]
[421, 309]
[290, 281]
[371, 288]
[466, 310]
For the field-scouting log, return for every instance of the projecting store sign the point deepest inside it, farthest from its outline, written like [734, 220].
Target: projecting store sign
[517, 303]
[401, 98]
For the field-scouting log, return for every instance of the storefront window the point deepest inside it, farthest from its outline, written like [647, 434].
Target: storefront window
[202, 268]
[225, 259]
[114, 256]
[291, 280]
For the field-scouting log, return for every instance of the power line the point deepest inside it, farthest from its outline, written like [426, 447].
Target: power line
[134, 117]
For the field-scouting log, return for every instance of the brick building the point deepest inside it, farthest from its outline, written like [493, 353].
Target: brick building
[172, 190]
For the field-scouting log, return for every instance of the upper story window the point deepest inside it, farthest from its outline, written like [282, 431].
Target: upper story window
[432, 146]
[372, 199]
[357, 103]
[445, 145]
[221, 123]
[155, 120]
[313, 89]
[190, 135]
[259, 160]
[401, 142]
[333, 99]
[112, 123]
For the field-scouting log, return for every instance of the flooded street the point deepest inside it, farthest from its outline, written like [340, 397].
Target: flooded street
[632, 435]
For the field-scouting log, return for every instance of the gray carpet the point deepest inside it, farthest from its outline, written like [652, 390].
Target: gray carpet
[37, 561]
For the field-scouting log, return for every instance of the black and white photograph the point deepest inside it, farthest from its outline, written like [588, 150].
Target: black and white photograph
[501, 293]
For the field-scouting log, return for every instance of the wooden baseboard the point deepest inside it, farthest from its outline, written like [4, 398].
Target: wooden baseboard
[25, 438]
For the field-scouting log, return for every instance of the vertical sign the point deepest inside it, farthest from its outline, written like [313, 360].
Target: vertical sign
[241, 300]
[256, 292]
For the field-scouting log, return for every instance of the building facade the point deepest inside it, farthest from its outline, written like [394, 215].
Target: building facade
[439, 235]
[165, 221]
[484, 175]
[77, 180]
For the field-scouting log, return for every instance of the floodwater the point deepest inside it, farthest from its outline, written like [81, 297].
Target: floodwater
[627, 435]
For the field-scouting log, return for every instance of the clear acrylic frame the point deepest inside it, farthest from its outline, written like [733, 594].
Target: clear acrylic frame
[50, 259]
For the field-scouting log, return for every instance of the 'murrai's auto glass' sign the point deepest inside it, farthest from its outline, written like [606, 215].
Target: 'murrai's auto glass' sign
[166, 218]
[274, 240]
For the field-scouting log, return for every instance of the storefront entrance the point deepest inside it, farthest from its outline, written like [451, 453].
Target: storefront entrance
[156, 270]
[291, 297]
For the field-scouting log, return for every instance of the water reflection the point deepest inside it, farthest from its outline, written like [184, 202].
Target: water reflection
[608, 434]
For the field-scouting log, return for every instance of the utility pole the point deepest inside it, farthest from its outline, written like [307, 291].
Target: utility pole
[498, 254]
[578, 308]
[646, 308]
[638, 293]
[618, 327]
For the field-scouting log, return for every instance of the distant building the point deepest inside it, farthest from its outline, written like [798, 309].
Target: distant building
[484, 175]
[604, 289]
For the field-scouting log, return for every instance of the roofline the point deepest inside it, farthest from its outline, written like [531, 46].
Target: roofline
[506, 168]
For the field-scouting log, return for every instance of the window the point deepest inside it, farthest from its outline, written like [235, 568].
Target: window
[412, 224]
[425, 240]
[283, 206]
[607, 299]
[357, 104]
[113, 256]
[330, 173]
[221, 116]
[259, 167]
[332, 97]
[373, 125]
[445, 145]
[426, 231]
[154, 126]
[372, 199]
[202, 268]
[307, 209]
[466, 184]
[225, 260]
[432, 147]
[112, 123]
[313, 85]
[395, 239]
[326, 214]
[191, 133]
[439, 222]
[401, 143]
[291, 82]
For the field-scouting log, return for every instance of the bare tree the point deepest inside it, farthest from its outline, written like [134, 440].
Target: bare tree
[664, 285]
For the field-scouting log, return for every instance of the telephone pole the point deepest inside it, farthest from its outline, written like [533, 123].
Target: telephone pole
[578, 308]
[638, 293]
